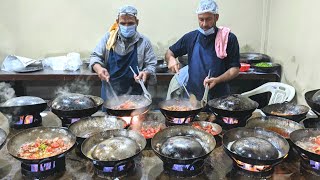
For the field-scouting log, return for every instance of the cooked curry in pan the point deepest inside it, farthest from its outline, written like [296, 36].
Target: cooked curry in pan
[177, 108]
[42, 148]
[311, 144]
[127, 105]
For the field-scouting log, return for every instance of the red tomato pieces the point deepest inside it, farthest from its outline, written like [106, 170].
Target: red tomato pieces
[149, 132]
[207, 128]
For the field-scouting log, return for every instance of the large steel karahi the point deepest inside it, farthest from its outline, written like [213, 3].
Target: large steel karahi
[23, 105]
[183, 149]
[234, 105]
[311, 100]
[32, 134]
[286, 110]
[75, 105]
[88, 126]
[307, 144]
[41, 150]
[279, 125]
[127, 105]
[108, 148]
[182, 144]
[244, 145]
[181, 108]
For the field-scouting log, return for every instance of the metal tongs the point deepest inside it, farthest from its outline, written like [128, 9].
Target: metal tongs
[204, 99]
[145, 91]
[182, 84]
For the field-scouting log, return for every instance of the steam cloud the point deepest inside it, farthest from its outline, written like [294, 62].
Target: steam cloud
[6, 92]
[78, 86]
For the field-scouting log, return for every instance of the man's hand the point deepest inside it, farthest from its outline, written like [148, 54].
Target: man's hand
[142, 75]
[102, 72]
[173, 63]
[211, 82]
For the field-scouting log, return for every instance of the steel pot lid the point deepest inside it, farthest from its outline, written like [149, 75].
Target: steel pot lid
[182, 147]
[115, 149]
[234, 102]
[251, 147]
[73, 101]
[23, 101]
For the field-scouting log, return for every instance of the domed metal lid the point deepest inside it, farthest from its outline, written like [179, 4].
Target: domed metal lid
[73, 101]
[23, 101]
[234, 102]
[182, 147]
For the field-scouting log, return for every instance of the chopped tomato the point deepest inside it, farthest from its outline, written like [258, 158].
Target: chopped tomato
[54, 145]
[317, 140]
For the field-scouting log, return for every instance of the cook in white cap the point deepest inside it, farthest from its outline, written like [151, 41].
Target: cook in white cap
[209, 48]
[121, 47]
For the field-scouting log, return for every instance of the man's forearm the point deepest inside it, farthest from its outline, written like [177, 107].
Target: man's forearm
[169, 54]
[228, 75]
[96, 67]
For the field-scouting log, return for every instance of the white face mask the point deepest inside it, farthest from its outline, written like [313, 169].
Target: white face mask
[207, 32]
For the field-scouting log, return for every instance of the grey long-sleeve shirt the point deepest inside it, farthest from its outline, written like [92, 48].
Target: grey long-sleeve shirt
[146, 57]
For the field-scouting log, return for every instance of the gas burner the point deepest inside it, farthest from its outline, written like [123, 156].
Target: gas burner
[178, 121]
[184, 170]
[43, 169]
[310, 167]
[252, 168]
[231, 122]
[253, 171]
[26, 121]
[66, 122]
[119, 170]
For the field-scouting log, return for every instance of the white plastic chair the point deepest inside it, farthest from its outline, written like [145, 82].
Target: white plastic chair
[280, 92]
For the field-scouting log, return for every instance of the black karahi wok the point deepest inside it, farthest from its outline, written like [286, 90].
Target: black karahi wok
[3, 138]
[195, 107]
[279, 125]
[97, 138]
[30, 135]
[254, 58]
[75, 105]
[314, 105]
[205, 139]
[311, 122]
[286, 110]
[302, 135]
[234, 105]
[278, 143]
[142, 104]
[23, 105]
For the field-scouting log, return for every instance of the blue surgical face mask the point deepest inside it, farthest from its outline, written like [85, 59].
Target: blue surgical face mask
[128, 31]
[207, 32]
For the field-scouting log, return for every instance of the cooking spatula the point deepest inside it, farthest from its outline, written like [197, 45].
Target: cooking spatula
[204, 100]
[145, 91]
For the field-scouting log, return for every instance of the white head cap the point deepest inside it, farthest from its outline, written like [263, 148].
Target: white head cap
[207, 6]
[127, 9]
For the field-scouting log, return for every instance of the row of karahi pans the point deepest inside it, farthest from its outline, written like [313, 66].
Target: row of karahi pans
[159, 143]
